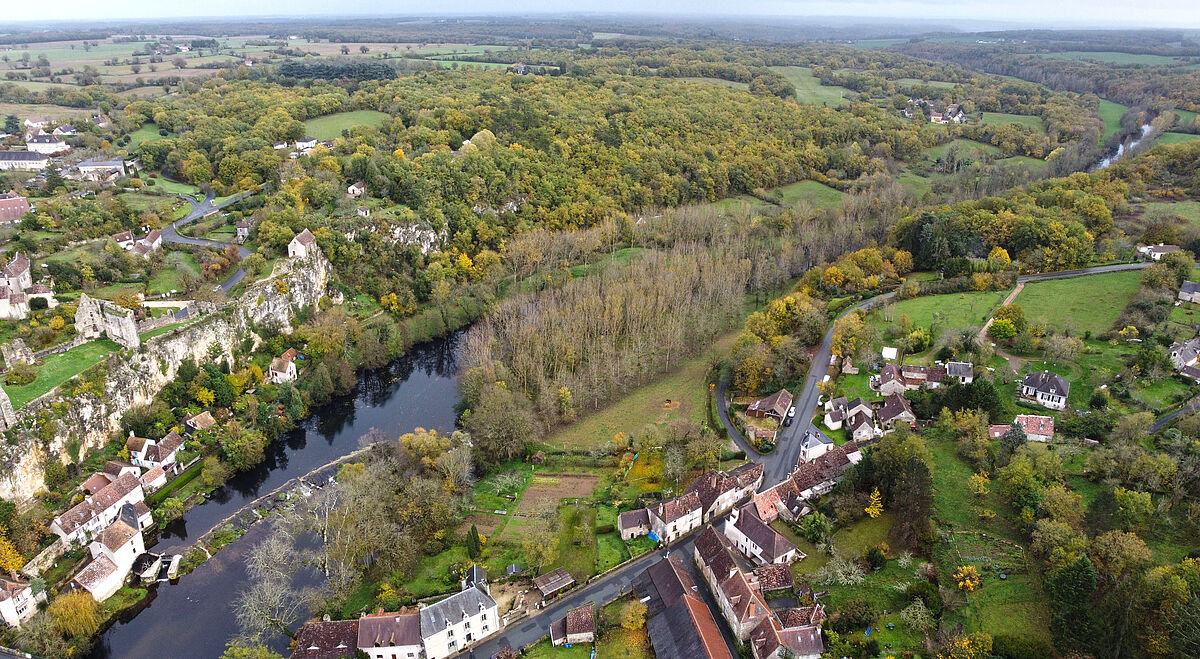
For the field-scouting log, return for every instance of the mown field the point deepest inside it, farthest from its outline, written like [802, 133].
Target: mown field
[944, 311]
[1176, 138]
[1001, 118]
[1111, 114]
[1073, 305]
[810, 90]
[57, 369]
[331, 126]
[1110, 57]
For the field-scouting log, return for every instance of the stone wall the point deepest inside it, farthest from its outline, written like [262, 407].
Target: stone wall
[134, 377]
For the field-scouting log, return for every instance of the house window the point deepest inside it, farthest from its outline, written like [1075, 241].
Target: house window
[450, 645]
[485, 628]
[450, 633]
[467, 625]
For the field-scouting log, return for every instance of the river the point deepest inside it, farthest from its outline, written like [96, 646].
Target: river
[194, 617]
[1122, 149]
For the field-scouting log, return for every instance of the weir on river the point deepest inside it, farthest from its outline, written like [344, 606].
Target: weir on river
[195, 617]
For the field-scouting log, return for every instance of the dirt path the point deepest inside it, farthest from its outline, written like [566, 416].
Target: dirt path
[1014, 362]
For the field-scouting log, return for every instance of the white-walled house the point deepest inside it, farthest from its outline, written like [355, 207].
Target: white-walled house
[283, 367]
[758, 541]
[457, 621]
[18, 602]
[299, 247]
[1046, 389]
[113, 553]
[384, 635]
[675, 518]
[151, 453]
[98, 511]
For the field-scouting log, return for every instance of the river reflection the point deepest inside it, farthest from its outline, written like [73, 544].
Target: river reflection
[194, 618]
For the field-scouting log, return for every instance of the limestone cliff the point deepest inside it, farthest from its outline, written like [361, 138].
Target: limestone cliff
[45, 426]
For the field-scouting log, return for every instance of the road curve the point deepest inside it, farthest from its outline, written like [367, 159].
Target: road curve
[780, 463]
[170, 233]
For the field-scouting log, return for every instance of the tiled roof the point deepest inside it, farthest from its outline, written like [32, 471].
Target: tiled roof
[1034, 424]
[390, 629]
[772, 543]
[95, 572]
[712, 484]
[713, 549]
[582, 620]
[96, 482]
[802, 616]
[11, 587]
[893, 407]
[306, 238]
[677, 507]
[888, 373]
[17, 265]
[116, 535]
[328, 639]
[746, 603]
[777, 403]
[135, 444]
[774, 577]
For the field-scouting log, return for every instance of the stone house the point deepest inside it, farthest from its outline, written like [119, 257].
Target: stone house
[13, 207]
[1156, 252]
[676, 517]
[677, 620]
[720, 491]
[18, 602]
[46, 144]
[113, 553]
[301, 245]
[964, 372]
[775, 406]
[327, 639]
[889, 381]
[357, 189]
[283, 367]
[150, 453]
[578, 626]
[896, 410]
[384, 635]
[633, 524]
[99, 510]
[758, 541]
[1189, 291]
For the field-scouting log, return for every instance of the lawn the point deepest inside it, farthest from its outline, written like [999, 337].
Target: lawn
[684, 388]
[810, 90]
[331, 126]
[1111, 114]
[1001, 118]
[576, 541]
[946, 311]
[1185, 116]
[147, 133]
[55, 112]
[57, 369]
[170, 278]
[912, 82]
[1176, 138]
[1071, 304]
[175, 187]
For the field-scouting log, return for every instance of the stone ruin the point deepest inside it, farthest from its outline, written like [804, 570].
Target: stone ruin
[8, 416]
[94, 318]
[15, 353]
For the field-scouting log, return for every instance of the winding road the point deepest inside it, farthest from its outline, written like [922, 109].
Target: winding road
[780, 463]
[170, 233]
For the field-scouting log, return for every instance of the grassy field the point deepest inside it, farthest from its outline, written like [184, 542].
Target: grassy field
[965, 148]
[818, 194]
[1176, 138]
[331, 126]
[57, 369]
[1190, 210]
[810, 90]
[722, 83]
[171, 276]
[1119, 59]
[56, 112]
[176, 187]
[946, 311]
[1185, 116]
[1023, 119]
[647, 404]
[1111, 114]
[148, 132]
[1071, 304]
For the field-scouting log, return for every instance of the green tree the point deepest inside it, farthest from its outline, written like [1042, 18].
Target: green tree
[12, 124]
[1070, 591]
[1002, 329]
[473, 543]
[238, 650]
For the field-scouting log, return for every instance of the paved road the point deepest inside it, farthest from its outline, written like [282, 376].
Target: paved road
[782, 461]
[170, 233]
[607, 588]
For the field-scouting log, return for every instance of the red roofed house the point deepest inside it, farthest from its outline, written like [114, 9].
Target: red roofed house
[326, 639]
[13, 207]
[579, 626]
[776, 406]
[18, 603]
[678, 621]
[675, 518]
[1037, 428]
[283, 367]
[98, 511]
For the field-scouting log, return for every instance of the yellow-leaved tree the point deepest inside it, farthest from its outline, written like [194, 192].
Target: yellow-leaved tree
[875, 509]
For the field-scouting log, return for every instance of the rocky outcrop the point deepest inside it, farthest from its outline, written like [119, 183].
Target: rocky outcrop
[45, 426]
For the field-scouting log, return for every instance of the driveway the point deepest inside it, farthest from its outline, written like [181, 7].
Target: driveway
[170, 233]
[779, 464]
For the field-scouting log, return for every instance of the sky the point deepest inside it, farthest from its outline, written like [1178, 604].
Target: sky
[1037, 13]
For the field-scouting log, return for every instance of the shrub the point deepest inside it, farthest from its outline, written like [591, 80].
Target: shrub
[876, 559]
[967, 578]
[929, 595]
[854, 614]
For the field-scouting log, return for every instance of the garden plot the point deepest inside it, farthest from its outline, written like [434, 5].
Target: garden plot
[550, 489]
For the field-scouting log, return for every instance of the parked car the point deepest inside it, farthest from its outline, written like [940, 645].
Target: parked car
[787, 420]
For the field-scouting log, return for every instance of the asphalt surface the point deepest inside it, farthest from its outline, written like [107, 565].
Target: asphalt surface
[170, 233]
[530, 629]
[778, 464]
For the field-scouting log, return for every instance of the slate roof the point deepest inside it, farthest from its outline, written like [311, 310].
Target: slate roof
[746, 603]
[888, 373]
[858, 420]
[960, 369]
[381, 629]
[772, 543]
[663, 583]
[777, 403]
[454, 609]
[679, 624]
[633, 519]
[838, 408]
[1047, 383]
[475, 575]
[328, 639]
[21, 156]
[1189, 287]
[553, 581]
[893, 407]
